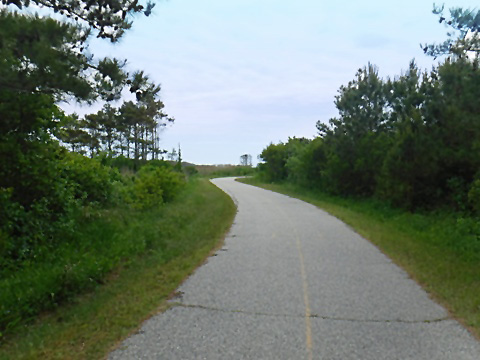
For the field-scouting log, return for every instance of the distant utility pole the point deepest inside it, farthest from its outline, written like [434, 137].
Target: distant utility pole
[246, 160]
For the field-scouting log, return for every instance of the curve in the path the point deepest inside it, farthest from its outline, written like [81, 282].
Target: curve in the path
[293, 282]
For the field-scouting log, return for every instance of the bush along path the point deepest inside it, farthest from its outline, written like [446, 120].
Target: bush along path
[125, 262]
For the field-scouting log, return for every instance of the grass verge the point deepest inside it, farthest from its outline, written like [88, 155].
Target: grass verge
[216, 171]
[440, 251]
[180, 236]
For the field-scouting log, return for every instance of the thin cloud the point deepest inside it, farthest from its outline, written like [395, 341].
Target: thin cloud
[240, 74]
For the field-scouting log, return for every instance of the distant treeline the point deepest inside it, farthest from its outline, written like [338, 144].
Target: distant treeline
[413, 141]
[131, 131]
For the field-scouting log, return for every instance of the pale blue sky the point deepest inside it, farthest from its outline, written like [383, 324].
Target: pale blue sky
[239, 74]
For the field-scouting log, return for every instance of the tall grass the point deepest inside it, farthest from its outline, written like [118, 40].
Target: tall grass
[125, 263]
[439, 250]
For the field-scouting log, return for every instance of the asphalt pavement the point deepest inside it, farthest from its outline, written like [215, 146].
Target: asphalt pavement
[293, 282]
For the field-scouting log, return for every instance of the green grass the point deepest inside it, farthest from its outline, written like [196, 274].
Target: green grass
[440, 251]
[216, 171]
[175, 238]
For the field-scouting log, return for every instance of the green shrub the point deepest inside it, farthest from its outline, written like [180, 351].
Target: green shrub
[159, 163]
[79, 262]
[154, 185]
[274, 166]
[91, 181]
[34, 226]
[147, 191]
[190, 171]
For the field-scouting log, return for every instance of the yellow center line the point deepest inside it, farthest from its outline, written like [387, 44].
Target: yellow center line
[308, 325]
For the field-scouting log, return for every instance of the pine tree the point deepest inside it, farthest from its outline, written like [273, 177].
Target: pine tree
[463, 37]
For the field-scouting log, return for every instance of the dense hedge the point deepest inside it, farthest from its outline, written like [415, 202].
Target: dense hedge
[412, 141]
[48, 196]
[51, 253]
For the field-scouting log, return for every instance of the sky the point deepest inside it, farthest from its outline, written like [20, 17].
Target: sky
[238, 75]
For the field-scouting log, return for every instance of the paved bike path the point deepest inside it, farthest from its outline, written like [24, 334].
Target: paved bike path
[293, 282]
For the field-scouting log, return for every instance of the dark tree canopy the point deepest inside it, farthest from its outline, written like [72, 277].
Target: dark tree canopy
[44, 55]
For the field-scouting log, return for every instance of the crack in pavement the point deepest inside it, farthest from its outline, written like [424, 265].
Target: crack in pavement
[314, 316]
